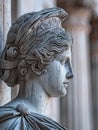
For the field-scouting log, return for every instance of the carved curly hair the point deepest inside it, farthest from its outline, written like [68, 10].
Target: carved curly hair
[33, 42]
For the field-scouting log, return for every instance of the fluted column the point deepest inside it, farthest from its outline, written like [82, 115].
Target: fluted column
[79, 94]
[94, 5]
[94, 68]
[33, 5]
[5, 22]
[81, 89]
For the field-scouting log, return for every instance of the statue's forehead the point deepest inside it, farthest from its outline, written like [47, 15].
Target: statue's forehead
[65, 54]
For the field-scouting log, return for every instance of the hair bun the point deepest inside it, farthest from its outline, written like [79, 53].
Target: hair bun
[12, 52]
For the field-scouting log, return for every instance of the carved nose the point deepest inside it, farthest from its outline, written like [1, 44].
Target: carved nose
[70, 75]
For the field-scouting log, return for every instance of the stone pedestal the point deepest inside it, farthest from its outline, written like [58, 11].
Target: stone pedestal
[5, 22]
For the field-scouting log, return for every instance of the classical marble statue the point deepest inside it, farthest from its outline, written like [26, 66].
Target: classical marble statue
[37, 56]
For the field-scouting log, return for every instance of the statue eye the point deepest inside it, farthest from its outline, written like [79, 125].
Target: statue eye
[63, 61]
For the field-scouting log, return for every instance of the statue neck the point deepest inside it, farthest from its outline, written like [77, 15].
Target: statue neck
[32, 92]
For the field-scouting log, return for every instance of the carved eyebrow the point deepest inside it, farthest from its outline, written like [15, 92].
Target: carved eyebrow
[64, 57]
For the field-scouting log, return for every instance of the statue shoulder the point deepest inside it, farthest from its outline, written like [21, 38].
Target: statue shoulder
[22, 119]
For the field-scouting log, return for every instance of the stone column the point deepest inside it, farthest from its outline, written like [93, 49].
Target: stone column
[94, 5]
[94, 69]
[33, 5]
[78, 106]
[5, 22]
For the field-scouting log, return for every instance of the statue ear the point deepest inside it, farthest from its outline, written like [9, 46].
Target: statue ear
[22, 68]
[39, 68]
[36, 68]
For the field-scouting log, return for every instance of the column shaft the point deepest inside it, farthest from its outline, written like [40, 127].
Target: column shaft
[79, 94]
[94, 69]
[5, 22]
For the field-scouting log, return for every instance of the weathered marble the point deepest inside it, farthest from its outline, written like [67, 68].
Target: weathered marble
[37, 56]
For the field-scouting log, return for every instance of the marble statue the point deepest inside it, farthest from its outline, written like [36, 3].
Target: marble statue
[37, 56]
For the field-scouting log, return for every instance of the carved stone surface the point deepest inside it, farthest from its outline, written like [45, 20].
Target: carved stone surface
[37, 56]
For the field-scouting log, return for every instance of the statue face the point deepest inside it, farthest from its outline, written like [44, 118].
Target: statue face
[55, 80]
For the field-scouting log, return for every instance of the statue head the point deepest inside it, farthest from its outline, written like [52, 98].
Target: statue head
[33, 42]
